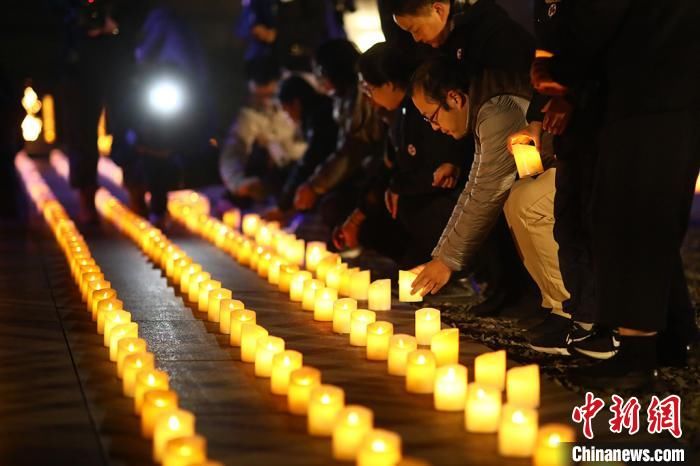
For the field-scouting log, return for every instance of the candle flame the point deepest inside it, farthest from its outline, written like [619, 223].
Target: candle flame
[480, 394]
[554, 440]
[518, 417]
[161, 403]
[131, 347]
[325, 399]
[151, 379]
[379, 446]
[420, 359]
[185, 450]
[173, 423]
[353, 419]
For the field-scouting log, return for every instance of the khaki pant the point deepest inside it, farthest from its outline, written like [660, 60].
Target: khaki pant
[529, 211]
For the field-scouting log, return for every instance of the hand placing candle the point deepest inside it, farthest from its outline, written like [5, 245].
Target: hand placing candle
[427, 325]
[342, 311]
[517, 432]
[283, 364]
[325, 402]
[445, 346]
[527, 160]
[171, 425]
[379, 295]
[155, 403]
[378, 336]
[266, 349]
[406, 280]
[483, 412]
[523, 386]
[400, 346]
[379, 448]
[352, 424]
[301, 382]
[490, 369]
[359, 320]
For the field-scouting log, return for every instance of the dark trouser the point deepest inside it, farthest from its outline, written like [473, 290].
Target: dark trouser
[161, 175]
[640, 210]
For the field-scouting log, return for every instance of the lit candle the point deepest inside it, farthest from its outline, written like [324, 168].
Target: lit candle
[335, 275]
[103, 307]
[250, 333]
[282, 365]
[400, 346]
[148, 379]
[527, 160]
[490, 369]
[245, 251]
[232, 218]
[264, 236]
[296, 286]
[483, 411]
[214, 303]
[359, 285]
[379, 448]
[185, 451]
[379, 295]
[188, 273]
[203, 291]
[329, 260]
[346, 281]
[450, 392]
[352, 424]
[111, 320]
[133, 364]
[266, 348]
[427, 324]
[238, 318]
[255, 257]
[171, 425]
[94, 286]
[287, 273]
[86, 279]
[273, 273]
[315, 250]
[359, 320]
[193, 293]
[325, 402]
[378, 336]
[342, 310]
[445, 346]
[178, 267]
[226, 308]
[295, 252]
[309, 294]
[523, 386]
[517, 432]
[420, 371]
[301, 382]
[549, 450]
[100, 295]
[264, 264]
[128, 330]
[155, 403]
[251, 223]
[324, 302]
[126, 347]
[406, 280]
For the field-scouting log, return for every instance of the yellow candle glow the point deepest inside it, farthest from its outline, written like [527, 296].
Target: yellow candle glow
[171, 425]
[517, 432]
[185, 451]
[226, 308]
[264, 264]
[301, 382]
[352, 424]
[420, 371]
[427, 324]
[309, 295]
[111, 320]
[94, 286]
[335, 275]
[102, 308]
[445, 346]
[378, 336]
[100, 295]
[128, 330]
[178, 267]
[359, 285]
[186, 275]
[86, 279]
[148, 379]
[342, 311]
[294, 252]
[549, 450]
[490, 369]
[255, 257]
[214, 303]
[133, 364]
[273, 273]
[283, 364]
[329, 260]
[126, 347]
[155, 403]
[406, 279]
[195, 281]
[245, 251]
[203, 291]
[346, 281]
[324, 301]
[296, 286]
[250, 333]
[325, 402]
[266, 349]
[450, 392]
[232, 218]
[359, 320]
[287, 273]
[251, 223]
[238, 318]
[379, 295]
[379, 448]
[400, 346]
[523, 386]
[483, 411]
[527, 160]
[315, 251]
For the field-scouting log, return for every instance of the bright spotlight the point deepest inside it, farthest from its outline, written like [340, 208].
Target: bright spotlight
[166, 97]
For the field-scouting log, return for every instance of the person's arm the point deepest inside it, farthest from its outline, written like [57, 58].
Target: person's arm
[236, 150]
[490, 179]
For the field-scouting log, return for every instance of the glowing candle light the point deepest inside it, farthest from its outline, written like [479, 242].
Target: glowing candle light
[490, 369]
[400, 346]
[94, 286]
[549, 450]
[214, 303]
[176, 265]
[250, 333]
[287, 273]
[406, 280]
[523, 386]
[483, 411]
[112, 319]
[181, 266]
[266, 348]
[342, 311]
[325, 402]
[324, 301]
[86, 279]
[352, 424]
[103, 307]
[329, 260]
[195, 282]
[359, 320]
[450, 391]
[379, 295]
[346, 281]
[255, 257]
[301, 382]
[445, 346]
[205, 289]
[378, 336]
[185, 451]
[232, 218]
[126, 347]
[335, 275]
[128, 330]
[283, 364]
[315, 251]
[238, 318]
[296, 286]
[420, 371]
[527, 160]
[133, 364]
[308, 300]
[517, 432]
[251, 223]
[379, 448]
[427, 324]
[171, 425]
[245, 251]
[264, 264]
[100, 295]
[294, 252]
[273, 273]
[155, 403]
[148, 379]
[359, 285]
[188, 274]
[226, 308]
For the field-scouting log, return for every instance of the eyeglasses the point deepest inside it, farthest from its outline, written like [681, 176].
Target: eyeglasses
[432, 119]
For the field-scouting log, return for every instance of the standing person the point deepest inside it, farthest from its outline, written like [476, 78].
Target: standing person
[641, 52]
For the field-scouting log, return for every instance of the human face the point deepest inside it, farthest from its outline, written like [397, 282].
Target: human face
[429, 25]
[386, 96]
[451, 120]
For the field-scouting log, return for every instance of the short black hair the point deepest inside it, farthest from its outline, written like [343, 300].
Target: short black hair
[387, 63]
[410, 7]
[439, 75]
[296, 87]
[336, 60]
[263, 70]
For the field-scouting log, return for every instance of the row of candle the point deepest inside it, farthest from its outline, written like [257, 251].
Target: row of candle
[435, 371]
[172, 429]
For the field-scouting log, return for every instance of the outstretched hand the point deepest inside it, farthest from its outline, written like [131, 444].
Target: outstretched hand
[431, 278]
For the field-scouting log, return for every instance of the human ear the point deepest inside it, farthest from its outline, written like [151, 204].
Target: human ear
[455, 100]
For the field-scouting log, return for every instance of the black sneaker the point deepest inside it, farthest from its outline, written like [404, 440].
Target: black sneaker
[578, 333]
[556, 342]
[602, 345]
[553, 323]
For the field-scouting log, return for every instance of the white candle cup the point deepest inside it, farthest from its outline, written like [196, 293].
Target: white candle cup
[359, 285]
[155, 403]
[517, 432]
[352, 424]
[250, 333]
[325, 402]
[550, 449]
[226, 308]
[214, 303]
[324, 301]
[171, 425]
[420, 371]
[400, 346]
[283, 364]
[527, 160]
[133, 364]
[185, 451]
[342, 310]
[309, 295]
[334, 276]
[146, 380]
[359, 320]
[450, 392]
[490, 369]
[238, 318]
[378, 337]
[301, 382]
[296, 286]
[379, 295]
[445, 345]
[523, 386]
[483, 410]
[406, 279]
[329, 261]
[126, 347]
[427, 324]
[130, 330]
[379, 448]
[266, 348]
[315, 250]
